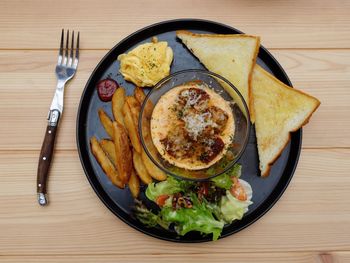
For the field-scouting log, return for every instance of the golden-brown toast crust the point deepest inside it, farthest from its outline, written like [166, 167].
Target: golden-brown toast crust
[250, 77]
[317, 104]
[185, 32]
[286, 86]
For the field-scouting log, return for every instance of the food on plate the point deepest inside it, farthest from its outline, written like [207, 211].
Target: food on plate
[147, 63]
[106, 122]
[139, 95]
[152, 169]
[231, 56]
[131, 127]
[279, 110]
[109, 148]
[122, 152]
[134, 184]
[118, 101]
[135, 109]
[141, 169]
[117, 149]
[105, 163]
[106, 89]
[192, 126]
[197, 206]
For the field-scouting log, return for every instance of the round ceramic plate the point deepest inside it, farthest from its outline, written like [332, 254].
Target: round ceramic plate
[266, 190]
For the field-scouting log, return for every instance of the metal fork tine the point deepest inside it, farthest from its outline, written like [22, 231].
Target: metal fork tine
[77, 52]
[61, 49]
[65, 60]
[71, 51]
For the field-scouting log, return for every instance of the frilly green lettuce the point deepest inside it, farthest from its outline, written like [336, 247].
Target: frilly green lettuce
[167, 187]
[224, 180]
[198, 218]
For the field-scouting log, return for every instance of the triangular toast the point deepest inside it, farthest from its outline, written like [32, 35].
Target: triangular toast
[276, 108]
[231, 56]
[279, 110]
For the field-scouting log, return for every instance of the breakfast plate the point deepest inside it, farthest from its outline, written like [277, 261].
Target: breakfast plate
[120, 201]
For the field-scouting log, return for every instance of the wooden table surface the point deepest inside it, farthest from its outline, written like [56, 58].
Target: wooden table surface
[310, 223]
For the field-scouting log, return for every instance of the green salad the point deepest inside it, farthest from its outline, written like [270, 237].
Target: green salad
[197, 206]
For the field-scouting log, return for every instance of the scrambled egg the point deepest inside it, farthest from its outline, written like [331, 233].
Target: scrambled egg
[146, 64]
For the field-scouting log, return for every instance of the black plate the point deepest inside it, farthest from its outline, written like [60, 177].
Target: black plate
[266, 190]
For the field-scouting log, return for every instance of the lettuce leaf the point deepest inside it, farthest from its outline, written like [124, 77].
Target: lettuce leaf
[235, 171]
[198, 218]
[232, 208]
[167, 187]
[224, 180]
[148, 218]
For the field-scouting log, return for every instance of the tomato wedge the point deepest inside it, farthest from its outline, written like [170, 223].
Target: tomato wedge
[237, 190]
[161, 200]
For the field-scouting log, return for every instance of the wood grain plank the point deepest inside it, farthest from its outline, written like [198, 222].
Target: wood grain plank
[37, 24]
[313, 214]
[339, 256]
[294, 257]
[289, 257]
[27, 83]
[322, 73]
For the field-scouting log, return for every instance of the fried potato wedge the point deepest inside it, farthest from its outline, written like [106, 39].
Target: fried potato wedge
[118, 101]
[105, 163]
[139, 95]
[135, 109]
[122, 151]
[108, 147]
[106, 122]
[131, 128]
[152, 169]
[134, 184]
[141, 169]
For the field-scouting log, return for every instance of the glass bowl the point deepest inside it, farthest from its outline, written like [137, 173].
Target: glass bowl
[222, 87]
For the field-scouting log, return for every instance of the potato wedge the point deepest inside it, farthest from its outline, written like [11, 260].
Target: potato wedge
[118, 101]
[135, 109]
[109, 149]
[141, 169]
[139, 95]
[134, 184]
[105, 163]
[152, 169]
[131, 128]
[123, 153]
[106, 122]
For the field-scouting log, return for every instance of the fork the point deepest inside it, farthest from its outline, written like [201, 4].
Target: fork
[65, 70]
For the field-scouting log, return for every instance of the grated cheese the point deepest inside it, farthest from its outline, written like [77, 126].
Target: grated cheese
[195, 124]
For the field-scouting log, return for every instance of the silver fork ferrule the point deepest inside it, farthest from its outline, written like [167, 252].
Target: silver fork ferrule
[53, 117]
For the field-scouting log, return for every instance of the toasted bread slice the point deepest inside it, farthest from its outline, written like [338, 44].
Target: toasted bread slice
[279, 110]
[231, 56]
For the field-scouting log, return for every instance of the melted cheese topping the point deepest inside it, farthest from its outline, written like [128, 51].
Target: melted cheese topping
[164, 119]
[146, 64]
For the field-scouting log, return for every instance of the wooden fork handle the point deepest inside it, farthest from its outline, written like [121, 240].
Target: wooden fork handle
[45, 158]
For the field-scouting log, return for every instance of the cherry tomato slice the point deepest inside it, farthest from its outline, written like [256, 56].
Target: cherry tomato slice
[161, 200]
[237, 190]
